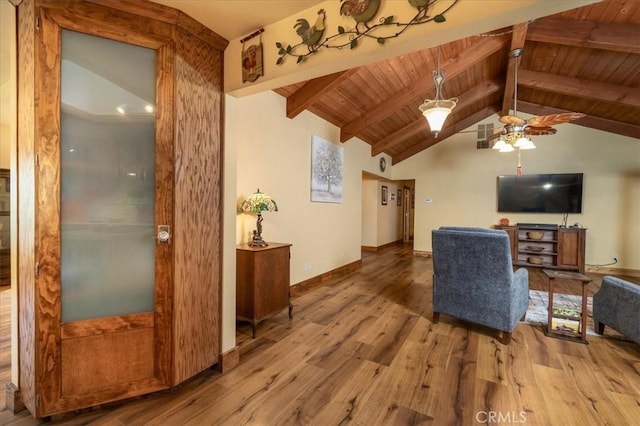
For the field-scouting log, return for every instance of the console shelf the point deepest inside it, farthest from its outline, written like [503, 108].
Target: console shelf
[551, 248]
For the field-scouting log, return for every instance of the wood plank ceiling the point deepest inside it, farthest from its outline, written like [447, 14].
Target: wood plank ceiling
[583, 60]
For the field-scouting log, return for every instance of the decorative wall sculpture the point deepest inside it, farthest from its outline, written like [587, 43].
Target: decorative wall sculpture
[362, 11]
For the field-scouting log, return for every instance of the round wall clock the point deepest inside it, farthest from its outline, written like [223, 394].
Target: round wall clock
[383, 164]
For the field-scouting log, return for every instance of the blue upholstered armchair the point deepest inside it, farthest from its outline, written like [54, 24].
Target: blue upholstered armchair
[617, 305]
[473, 278]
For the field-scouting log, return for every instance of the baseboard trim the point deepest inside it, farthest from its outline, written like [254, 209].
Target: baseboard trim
[374, 249]
[420, 253]
[613, 271]
[13, 399]
[317, 281]
[229, 360]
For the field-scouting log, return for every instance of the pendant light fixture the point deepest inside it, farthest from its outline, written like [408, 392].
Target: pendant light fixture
[436, 110]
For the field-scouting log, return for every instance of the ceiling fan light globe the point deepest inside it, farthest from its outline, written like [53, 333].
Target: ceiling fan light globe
[507, 148]
[528, 144]
[520, 142]
[499, 144]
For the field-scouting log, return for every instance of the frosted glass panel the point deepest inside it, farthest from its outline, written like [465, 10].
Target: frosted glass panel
[107, 177]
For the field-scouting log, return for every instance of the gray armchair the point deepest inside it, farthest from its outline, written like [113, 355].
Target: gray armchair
[617, 305]
[473, 278]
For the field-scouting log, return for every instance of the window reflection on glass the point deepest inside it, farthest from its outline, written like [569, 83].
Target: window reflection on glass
[107, 177]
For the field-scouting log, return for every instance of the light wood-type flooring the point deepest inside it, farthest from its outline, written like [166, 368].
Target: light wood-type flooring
[362, 350]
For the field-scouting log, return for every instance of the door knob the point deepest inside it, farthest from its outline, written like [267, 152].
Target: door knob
[164, 234]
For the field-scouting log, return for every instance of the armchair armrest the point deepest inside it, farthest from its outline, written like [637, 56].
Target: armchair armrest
[617, 305]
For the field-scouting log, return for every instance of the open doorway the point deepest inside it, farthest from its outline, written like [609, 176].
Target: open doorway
[408, 209]
[387, 211]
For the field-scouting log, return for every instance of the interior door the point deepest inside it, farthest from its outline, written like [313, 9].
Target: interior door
[104, 204]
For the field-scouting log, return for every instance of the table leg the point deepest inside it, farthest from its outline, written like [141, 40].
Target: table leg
[550, 313]
[583, 334]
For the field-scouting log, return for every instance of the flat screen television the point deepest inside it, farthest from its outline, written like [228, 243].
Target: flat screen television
[540, 193]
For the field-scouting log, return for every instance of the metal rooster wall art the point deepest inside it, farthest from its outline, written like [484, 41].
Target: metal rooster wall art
[363, 12]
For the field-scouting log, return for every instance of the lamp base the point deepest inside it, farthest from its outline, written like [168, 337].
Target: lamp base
[257, 240]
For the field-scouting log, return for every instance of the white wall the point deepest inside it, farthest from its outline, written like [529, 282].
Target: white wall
[369, 213]
[228, 233]
[274, 154]
[381, 224]
[389, 215]
[8, 142]
[461, 180]
[5, 145]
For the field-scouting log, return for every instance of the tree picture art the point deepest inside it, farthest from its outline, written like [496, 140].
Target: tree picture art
[327, 161]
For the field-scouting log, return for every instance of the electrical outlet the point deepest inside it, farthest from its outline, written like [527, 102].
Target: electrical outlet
[615, 257]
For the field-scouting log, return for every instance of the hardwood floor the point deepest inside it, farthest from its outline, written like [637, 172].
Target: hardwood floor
[362, 350]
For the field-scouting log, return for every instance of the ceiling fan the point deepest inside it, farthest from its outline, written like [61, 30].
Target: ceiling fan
[517, 132]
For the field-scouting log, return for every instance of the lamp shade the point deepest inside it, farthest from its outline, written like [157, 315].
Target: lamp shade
[258, 202]
[436, 112]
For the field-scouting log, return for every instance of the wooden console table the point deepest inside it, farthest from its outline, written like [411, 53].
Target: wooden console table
[262, 282]
[584, 280]
[558, 248]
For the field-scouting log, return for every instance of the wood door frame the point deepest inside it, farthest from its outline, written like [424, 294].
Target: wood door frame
[406, 214]
[54, 16]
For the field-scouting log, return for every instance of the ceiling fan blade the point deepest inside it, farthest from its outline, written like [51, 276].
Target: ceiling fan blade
[551, 119]
[495, 136]
[540, 130]
[511, 119]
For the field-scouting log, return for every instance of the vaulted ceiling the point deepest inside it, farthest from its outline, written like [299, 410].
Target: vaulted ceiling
[583, 60]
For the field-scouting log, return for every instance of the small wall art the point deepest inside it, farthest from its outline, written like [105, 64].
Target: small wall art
[252, 57]
[384, 195]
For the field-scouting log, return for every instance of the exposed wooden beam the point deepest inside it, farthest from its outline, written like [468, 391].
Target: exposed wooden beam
[468, 98]
[627, 96]
[445, 133]
[517, 42]
[312, 89]
[466, 59]
[604, 124]
[594, 35]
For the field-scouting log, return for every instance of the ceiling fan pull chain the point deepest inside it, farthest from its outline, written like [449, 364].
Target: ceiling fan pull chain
[519, 168]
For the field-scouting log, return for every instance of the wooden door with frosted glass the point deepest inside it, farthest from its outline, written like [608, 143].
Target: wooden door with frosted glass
[104, 209]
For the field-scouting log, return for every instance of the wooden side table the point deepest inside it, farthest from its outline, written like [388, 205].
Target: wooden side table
[584, 280]
[262, 282]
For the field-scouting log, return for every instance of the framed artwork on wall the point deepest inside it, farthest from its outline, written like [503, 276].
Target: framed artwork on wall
[399, 199]
[327, 160]
[385, 195]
